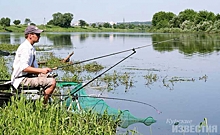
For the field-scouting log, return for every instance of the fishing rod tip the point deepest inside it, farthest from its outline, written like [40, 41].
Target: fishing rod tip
[55, 68]
[159, 112]
[134, 50]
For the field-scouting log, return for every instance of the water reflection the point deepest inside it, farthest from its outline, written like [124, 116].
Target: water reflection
[5, 38]
[17, 39]
[60, 39]
[201, 44]
[83, 37]
[187, 44]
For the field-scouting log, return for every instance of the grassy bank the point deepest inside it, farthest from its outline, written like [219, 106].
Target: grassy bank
[27, 118]
[50, 28]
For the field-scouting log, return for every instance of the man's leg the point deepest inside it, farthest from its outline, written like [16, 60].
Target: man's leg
[49, 91]
[48, 83]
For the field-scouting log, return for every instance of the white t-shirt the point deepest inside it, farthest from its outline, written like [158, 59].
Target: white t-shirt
[25, 57]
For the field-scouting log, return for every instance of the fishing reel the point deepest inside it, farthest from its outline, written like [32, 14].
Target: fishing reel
[51, 75]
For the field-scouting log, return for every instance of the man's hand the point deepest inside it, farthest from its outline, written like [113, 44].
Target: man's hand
[46, 70]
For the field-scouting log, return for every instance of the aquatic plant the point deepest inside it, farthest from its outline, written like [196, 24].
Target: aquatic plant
[151, 78]
[12, 48]
[52, 61]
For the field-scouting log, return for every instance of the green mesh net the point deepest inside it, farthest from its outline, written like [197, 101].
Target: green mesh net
[99, 106]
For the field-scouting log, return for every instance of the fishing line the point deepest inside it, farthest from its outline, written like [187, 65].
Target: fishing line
[129, 100]
[55, 68]
[74, 63]
[112, 98]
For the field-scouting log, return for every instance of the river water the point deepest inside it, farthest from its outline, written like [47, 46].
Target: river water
[187, 71]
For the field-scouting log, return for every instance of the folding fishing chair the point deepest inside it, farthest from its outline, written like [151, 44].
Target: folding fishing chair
[30, 93]
[7, 90]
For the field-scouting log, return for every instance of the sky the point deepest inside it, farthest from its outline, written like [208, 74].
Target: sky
[41, 11]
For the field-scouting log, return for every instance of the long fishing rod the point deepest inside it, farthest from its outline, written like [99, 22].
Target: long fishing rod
[74, 95]
[113, 54]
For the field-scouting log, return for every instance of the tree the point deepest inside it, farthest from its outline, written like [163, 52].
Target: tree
[217, 17]
[57, 19]
[204, 25]
[121, 26]
[204, 16]
[162, 24]
[5, 22]
[93, 25]
[67, 19]
[16, 22]
[114, 26]
[187, 14]
[62, 20]
[175, 22]
[107, 25]
[27, 21]
[131, 26]
[99, 26]
[50, 22]
[161, 19]
[82, 23]
[187, 25]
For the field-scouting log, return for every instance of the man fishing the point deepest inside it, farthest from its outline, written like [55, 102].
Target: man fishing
[25, 67]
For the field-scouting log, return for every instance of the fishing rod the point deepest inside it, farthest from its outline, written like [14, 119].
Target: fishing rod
[103, 72]
[73, 93]
[74, 63]
[74, 96]
[55, 68]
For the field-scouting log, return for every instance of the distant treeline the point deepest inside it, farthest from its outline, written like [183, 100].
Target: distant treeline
[65, 21]
[186, 21]
[137, 23]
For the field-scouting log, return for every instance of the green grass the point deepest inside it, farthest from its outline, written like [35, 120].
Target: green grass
[4, 74]
[50, 28]
[27, 118]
